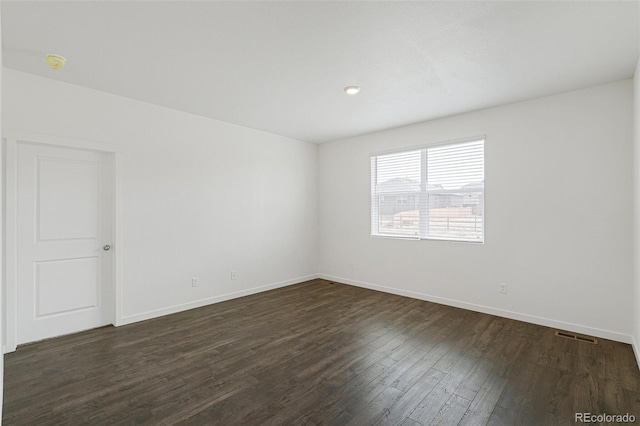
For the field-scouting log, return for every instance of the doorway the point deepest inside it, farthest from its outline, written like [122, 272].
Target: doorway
[62, 248]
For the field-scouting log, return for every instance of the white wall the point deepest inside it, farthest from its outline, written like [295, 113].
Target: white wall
[558, 214]
[2, 265]
[200, 197]
[636, 212]
[558, 185]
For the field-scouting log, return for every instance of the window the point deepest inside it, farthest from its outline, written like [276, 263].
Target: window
[436, 192]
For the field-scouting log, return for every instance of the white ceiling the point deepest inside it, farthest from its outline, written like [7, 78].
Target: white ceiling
[281, 66]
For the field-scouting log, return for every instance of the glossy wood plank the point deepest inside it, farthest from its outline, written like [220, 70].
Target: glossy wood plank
[319, 353]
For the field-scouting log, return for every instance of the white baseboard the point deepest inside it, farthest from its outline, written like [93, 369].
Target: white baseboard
[636, 350]
[210, 300]
[576, 328]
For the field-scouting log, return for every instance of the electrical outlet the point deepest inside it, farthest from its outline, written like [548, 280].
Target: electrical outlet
[194, 282]
[503, 288]
[234, 275]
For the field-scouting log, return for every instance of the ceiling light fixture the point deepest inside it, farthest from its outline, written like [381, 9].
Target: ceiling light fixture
[55, 61]
[352, 90]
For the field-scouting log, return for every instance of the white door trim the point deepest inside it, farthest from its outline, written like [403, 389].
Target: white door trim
[11, 139]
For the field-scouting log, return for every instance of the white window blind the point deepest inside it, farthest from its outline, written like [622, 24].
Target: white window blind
[435, 192]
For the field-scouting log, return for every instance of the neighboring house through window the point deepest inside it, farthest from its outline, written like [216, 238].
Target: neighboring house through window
[435, 192]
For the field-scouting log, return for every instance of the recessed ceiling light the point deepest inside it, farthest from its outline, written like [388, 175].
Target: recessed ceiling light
[55, 61]
[352, 90]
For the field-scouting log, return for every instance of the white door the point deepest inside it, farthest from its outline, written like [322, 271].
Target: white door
[64, 232]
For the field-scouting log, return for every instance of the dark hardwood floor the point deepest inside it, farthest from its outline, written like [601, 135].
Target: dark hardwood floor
[319, 353]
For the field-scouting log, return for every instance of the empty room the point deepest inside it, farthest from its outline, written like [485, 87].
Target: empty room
[320, 212]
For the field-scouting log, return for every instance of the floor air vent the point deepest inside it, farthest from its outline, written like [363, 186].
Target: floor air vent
[578, 337]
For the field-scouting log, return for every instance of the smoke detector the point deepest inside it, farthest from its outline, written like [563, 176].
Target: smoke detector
[55, 61]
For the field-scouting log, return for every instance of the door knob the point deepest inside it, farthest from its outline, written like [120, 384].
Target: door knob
[106, 247]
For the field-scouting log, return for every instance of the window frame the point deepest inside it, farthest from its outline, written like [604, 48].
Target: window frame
[423, 209]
